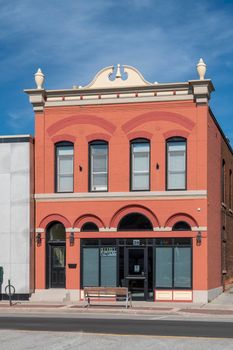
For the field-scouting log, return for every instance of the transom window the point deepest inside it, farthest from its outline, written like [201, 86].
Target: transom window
[89, 226]
[181, 226]
[56, 232]
[176, 163]
[135, 222]
[140, 165]
[64, 167]
[98, 166]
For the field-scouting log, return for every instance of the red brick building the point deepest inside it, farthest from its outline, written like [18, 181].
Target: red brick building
[128, 188]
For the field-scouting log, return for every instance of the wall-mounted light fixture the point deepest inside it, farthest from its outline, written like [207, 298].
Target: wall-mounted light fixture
[38, 238]
[199, 238]
[71, 238]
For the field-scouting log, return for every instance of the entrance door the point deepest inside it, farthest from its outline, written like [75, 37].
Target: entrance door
[57, 266]
[136, 275]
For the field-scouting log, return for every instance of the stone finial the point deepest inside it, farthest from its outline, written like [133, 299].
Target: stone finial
[201, 69]
[118, 72]
[39, 79]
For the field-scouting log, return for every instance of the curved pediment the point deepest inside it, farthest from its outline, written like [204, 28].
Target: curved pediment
[119, 76]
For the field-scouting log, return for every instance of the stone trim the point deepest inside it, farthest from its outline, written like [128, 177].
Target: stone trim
[161, 195]
[40, 230]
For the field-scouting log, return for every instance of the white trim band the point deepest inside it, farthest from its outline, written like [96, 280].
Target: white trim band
[161, 195]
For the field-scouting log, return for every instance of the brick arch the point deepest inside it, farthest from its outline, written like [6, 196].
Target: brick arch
[98, 136]
[134, 209]
[139, 135]
[81, 119]
[158, 116]
[181, 217]
[54, 217]
[88, 218]
[63, 137]
[176, 133]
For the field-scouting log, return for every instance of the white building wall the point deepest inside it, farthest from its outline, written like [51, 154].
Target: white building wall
[16, 211]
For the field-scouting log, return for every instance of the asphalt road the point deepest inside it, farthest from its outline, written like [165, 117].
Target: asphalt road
[119, 326]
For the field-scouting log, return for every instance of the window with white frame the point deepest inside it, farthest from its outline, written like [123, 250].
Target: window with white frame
[98, 166]
[140, 165]
[64, 167]
[176, 163]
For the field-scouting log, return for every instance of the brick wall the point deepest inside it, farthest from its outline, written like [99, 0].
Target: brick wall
[227, 213]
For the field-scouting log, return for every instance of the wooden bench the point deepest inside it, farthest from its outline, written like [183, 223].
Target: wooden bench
[106, 292]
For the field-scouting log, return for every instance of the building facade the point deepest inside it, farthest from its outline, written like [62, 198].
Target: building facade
[17, 214]
[128, 188]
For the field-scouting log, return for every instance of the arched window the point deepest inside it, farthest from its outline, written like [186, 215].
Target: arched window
[64, 178]
[98, 162]
[140, 165]
[176, 163]
[89, 227]
[181, 226]
[56, 232]
[135, 222]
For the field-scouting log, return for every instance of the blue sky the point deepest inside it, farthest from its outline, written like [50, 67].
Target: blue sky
[71, 40]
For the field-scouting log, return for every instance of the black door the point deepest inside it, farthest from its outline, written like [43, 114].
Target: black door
[136, 272]
[57, 265]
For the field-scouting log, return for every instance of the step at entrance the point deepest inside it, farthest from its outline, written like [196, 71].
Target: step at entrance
[55, 295]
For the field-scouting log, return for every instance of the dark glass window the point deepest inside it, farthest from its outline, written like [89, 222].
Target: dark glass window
[223, 180]
[230, 189]
[140, 165]
[135, 222]
[64, 178]
[176, 163]
[181, 226]
[98, 159]
[99, 266]
[173, 267]
[56, 232]
[89, 226]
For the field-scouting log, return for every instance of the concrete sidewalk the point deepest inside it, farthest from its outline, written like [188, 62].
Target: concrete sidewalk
[222, 305]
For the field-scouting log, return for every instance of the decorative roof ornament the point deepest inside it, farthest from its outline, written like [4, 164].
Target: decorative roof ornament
[118, 72]
[39, 79]
[201, 69]
[119, 76]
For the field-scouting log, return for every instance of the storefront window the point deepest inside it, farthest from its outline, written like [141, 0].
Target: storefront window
[100, 267]
[173, 267]
[108, 265]
[91, 267]
[182, 267]
[163, 267]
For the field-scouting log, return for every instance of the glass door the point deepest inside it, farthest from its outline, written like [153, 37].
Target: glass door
[136, 275]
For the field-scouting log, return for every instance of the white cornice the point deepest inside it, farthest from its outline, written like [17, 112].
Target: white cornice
[107, 196]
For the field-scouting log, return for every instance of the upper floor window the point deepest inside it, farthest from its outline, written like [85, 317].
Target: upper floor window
[223, 181]
[176, 163]
[230, 189]
[64, 167]
[98, 155]
[140, 165]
